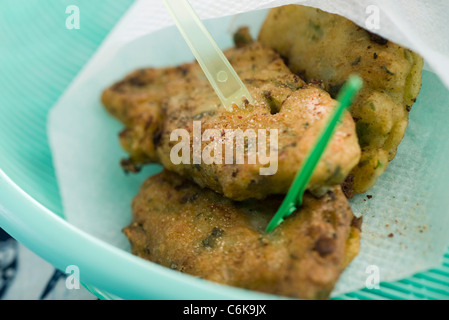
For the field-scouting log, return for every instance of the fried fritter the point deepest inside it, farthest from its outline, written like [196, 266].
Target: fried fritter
[197, 231]
[327, 47]
[153, 103]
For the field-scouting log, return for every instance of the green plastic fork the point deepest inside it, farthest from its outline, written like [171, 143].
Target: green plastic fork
[293, 199]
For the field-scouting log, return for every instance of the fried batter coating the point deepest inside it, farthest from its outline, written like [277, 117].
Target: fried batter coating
[197, 231]
[327, 47]
[152, 103]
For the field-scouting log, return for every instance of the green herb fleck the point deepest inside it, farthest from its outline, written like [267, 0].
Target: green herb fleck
[388, 71]
[314, 26]
[335, 176]
[288, 84]
[292, 86]
[173, 266]
[379, 164]
[356, 61]
[275, 105]
[408, 55]
[317, 30]
[210, 240]
[201, 115]
[363, 133]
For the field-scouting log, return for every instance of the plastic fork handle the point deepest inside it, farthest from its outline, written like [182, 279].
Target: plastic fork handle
[223, 78]
[294, 196]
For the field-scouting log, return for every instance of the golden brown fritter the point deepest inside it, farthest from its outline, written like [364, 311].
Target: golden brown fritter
[197, 231]
[327, 47]
[152, 103]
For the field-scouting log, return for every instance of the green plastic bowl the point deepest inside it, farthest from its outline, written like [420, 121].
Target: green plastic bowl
[36, 65]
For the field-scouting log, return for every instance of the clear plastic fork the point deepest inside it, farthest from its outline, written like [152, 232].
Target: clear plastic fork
[221, 75]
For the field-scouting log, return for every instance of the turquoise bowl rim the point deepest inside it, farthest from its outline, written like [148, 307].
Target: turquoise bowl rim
[108, 272]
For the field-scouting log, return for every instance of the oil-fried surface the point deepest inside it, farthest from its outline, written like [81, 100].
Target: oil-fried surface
[197, 231]
[152, 103]
[323, 46]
